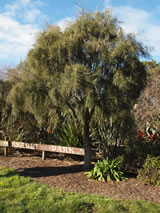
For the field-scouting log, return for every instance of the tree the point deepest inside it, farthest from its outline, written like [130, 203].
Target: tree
[91, 67]
[147, 107]
[5, 108]
[21, 126]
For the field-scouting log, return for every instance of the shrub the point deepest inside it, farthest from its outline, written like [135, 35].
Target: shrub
[107, 170]
[147, 142]
[150, 173]
[69, 135]
[110, 134]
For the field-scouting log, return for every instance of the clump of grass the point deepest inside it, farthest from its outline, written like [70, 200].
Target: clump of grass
[20, 195]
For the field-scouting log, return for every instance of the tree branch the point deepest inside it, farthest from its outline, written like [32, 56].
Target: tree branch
[91, 112]
[72, 109]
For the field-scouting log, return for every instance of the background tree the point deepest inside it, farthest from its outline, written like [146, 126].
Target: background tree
[91, 67]
[5, 108]
[22, 126]
[147, 107]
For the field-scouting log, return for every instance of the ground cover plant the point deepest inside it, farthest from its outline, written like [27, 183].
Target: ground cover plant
[107, 170]
[150, 173]
[19, 194]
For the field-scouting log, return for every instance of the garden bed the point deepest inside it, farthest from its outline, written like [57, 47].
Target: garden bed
[69, 175]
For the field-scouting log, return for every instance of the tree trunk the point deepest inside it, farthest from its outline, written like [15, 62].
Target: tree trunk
[87, 143]
[87, 158]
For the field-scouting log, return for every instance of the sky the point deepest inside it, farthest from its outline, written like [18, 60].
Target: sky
[21, 20]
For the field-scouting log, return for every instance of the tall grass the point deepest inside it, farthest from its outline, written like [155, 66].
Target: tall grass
[20, 195]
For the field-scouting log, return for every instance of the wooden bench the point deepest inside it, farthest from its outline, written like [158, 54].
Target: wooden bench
[41, 147]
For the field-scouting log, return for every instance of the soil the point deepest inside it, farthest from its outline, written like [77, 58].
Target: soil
[69, 175]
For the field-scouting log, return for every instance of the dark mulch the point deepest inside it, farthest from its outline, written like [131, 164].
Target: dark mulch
[69, 175]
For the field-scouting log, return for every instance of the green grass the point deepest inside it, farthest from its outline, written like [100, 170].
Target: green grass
[19, 194]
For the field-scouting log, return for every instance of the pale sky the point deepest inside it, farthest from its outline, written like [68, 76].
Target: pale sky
[20, 20]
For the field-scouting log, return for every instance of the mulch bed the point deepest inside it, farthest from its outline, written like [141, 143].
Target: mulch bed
[69, 175]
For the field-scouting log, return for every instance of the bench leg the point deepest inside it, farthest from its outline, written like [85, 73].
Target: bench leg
[5, 151]
[43, 155]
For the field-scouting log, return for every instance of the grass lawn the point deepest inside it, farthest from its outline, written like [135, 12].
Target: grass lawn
[20, 194]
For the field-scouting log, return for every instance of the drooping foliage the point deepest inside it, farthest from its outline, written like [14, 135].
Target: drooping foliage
[5, 108]
[22, 126]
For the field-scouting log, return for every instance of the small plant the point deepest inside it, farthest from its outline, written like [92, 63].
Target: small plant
[150, 173]
[107, 170]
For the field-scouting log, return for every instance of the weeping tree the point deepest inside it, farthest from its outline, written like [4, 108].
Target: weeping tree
[21, 126]
[5, 108]
[91, 67]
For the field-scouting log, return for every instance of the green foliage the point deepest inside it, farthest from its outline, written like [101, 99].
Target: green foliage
[23, 126]
[150, 173]
[20, 195]
[107, 170]
[7, 172]
[69, 135]
[144, 142]
[110, 134]
[95, 55]
[5, 108]
[147, 142]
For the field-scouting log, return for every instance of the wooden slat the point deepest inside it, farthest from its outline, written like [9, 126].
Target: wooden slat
[44, 147]
[4, 143]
